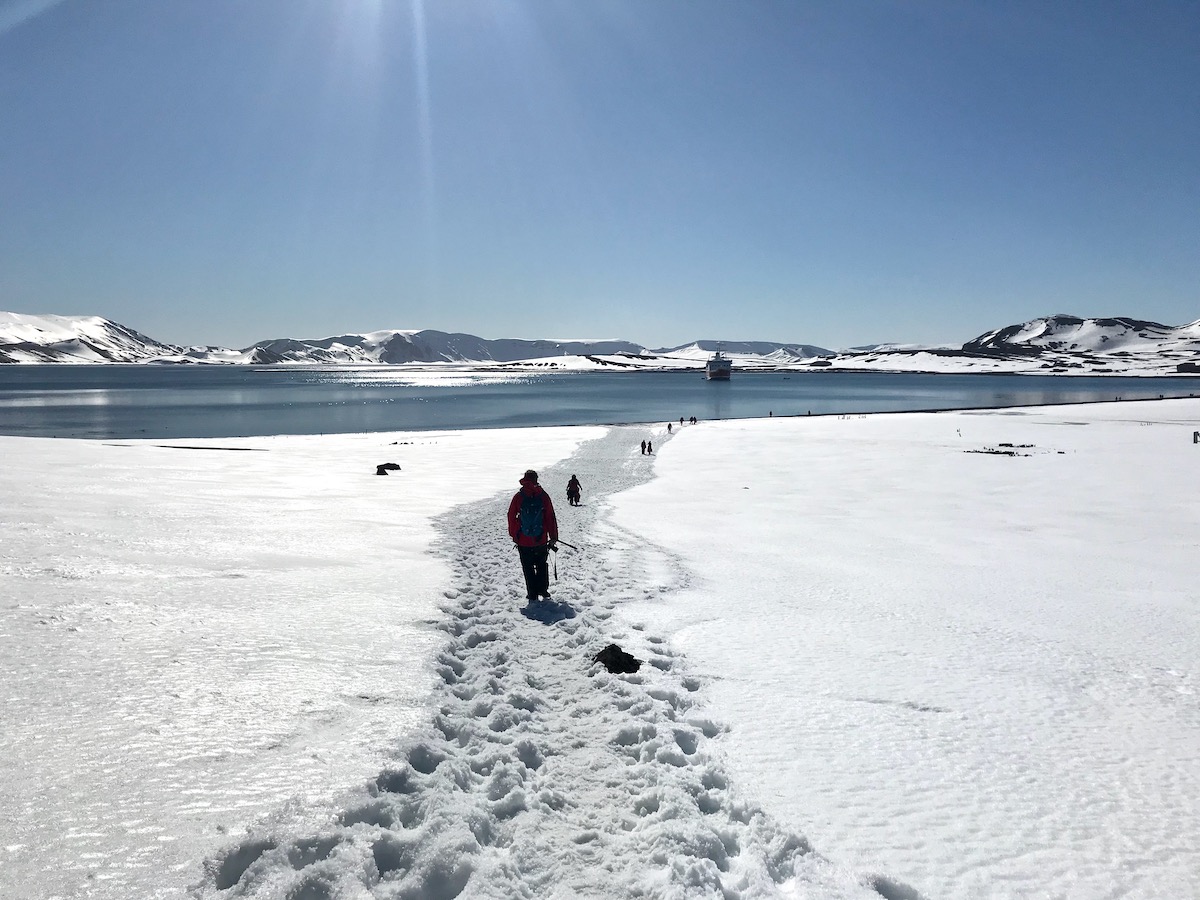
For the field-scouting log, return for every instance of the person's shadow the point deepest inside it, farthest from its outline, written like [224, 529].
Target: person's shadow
[547, 611]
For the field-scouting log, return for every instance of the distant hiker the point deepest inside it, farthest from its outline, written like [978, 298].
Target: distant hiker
[649, 448]
[574, 489]
[681, 420]
[533, 528]
[643, 448]
[669, 426]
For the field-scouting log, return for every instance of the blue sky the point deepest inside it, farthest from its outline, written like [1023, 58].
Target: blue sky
[833, 173]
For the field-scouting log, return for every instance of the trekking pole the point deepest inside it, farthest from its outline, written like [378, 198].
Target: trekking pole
[554, 547]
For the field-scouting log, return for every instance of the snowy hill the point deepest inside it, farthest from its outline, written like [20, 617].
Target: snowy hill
[78, 339]
[91, 339]
[1071, 334]
[1057, 345]
[396, 347]
[1060, 344]
[750, 348]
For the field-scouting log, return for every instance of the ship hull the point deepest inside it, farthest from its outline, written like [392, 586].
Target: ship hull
[718, 367]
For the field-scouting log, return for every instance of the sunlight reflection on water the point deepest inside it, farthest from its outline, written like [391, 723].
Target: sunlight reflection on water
[375, 378]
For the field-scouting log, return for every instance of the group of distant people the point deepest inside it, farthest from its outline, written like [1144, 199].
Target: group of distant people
[648, 447]
[691, 421]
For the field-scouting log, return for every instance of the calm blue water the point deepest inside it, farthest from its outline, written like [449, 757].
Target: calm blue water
[118, 402]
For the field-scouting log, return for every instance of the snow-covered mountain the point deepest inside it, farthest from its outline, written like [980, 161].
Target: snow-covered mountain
[397, 347]
[91, 339]
[1059, 344]
[1055, 345]
[1116, 336]
[82, 339]
[750, 348]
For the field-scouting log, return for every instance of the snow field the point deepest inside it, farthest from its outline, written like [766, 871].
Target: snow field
[972, 670]
[541, 775]
[194, 640]
[956, 648]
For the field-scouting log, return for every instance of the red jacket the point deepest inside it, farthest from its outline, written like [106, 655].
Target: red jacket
[549, 522]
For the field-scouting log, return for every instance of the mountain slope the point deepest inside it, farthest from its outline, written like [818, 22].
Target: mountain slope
[1068, 342]
[395, 347]
[79, 339]
[1059, 344]
[750, 348]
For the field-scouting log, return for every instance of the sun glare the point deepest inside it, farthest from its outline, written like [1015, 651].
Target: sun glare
[425, 133]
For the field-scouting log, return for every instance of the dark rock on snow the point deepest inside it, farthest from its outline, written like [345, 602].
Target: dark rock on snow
[617, 660]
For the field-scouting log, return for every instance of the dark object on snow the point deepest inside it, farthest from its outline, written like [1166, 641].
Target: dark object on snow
[384, 468]
[617, 660]
[992, 451]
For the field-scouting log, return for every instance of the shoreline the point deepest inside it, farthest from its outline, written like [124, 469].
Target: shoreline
[139, 441]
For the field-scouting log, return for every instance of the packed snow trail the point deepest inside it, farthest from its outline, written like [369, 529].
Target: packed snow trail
[541, 774]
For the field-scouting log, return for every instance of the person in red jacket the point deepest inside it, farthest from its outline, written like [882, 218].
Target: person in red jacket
[534, 529]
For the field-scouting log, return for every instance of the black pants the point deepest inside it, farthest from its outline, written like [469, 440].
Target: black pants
[537, 573]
